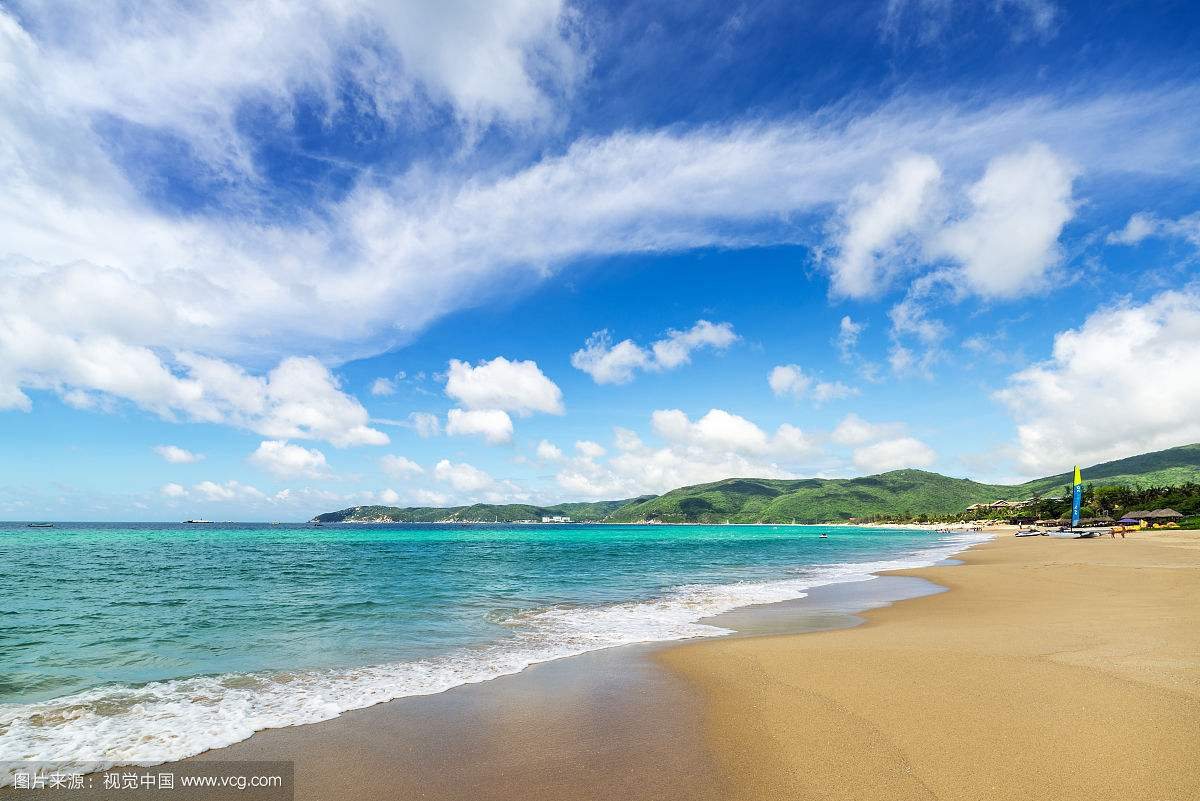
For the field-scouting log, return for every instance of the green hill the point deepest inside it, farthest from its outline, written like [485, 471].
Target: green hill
[477, 513]
[1168, 468]
[899, 494]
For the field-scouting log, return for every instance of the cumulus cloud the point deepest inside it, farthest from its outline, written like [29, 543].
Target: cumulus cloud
[400, 467]
[494, 425]
[893, 454]
[549, 452]
[285, 460]
[1126, 381]
[177, 455]
[878, 222]
[789, 380]
[383, 386]
[716, 446]
[101, 274]
[389, 496]
[229, 491]
[519, 387]
[425, 424]
[299, 398]
[589, 449]
[607, 363]
[173, 490]
[428, 497]
[463, 477]
[719, 430]
[854, 430]
[1009, 239]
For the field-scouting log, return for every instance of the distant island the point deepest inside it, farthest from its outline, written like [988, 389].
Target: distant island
[1162, 478]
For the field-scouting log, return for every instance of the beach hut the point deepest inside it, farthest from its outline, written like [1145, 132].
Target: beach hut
[1155, 516]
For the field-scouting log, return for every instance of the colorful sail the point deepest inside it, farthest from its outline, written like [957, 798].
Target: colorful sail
[1076, 497]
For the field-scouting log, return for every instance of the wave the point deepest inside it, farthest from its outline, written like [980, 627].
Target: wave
[168, 720]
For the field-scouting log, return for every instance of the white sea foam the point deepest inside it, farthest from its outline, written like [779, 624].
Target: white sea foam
[168, 720]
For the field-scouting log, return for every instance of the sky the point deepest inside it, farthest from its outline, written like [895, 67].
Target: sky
[262, 260]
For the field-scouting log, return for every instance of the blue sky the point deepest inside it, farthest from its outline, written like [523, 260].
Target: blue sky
[262, 262]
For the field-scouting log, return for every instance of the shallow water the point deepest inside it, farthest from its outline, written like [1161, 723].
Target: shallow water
[148, 642]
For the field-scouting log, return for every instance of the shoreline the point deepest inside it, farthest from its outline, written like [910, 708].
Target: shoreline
[1051, 668]
[588, 693]
[758, 714]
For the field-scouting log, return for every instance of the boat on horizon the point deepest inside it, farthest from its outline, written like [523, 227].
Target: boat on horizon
[197, 520]
[40, 525]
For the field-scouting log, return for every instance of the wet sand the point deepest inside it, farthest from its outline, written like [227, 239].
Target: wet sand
[1051, 669]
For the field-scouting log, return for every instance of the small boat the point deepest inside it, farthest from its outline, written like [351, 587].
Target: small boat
[1029, 533]
[824, 536]
[197, 521]
[41, 525]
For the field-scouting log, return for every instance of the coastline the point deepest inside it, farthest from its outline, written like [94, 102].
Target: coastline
[577, 727]
[1010, 668]
[1052, 668]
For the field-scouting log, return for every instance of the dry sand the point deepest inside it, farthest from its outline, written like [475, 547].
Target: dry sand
[1052, 669]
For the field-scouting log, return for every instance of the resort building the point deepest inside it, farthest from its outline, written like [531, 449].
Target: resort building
[556, 519]
[999, 505]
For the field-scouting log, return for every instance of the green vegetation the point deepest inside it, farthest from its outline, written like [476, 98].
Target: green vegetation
[901, 493]
[477, 513]
[1167, 468]
[1169, 478]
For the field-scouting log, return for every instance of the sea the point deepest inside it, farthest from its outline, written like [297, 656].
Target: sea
[140, 643]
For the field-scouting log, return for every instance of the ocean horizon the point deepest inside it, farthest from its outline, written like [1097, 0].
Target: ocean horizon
[143, 643]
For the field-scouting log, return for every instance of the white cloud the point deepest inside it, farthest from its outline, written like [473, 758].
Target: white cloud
[893, 454]
[675, 349]
[549, 452]
[425, 424]
[495, 426]
[299, 398]
[382, 387]
[1010, 238]
[607, 363]
[400, 467]
[589, 449]
[719, 445]
[177, 455]
[173, 490]
[878, 221]
[719, 431]
[847, 337]
[1143, 225]
[926, 21]
[789, 380]
[99, 270]
[426, 497]
[286, 460]
[187, 69]
[229, 491]
[511, 386]
[854, 430]
[389, 496]
[1125, 382]
[463, 477]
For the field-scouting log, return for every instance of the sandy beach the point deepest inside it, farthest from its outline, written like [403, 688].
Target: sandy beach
[1052, 669]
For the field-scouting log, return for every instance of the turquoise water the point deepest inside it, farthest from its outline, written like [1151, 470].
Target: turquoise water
[147, 642]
